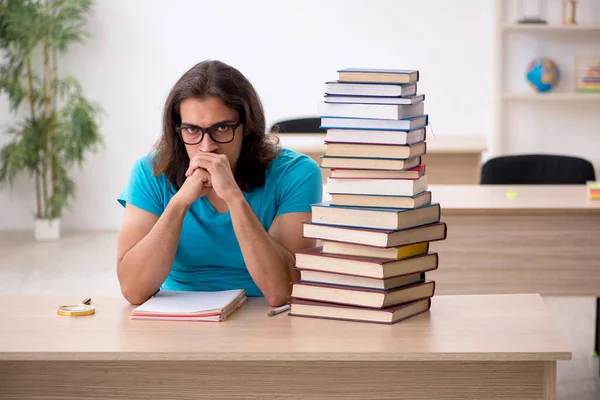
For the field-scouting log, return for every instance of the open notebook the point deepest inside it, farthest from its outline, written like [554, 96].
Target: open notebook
[171, 305]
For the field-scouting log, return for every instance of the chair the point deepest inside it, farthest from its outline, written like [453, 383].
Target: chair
[537, 169]
[300, 125]
[541, 169]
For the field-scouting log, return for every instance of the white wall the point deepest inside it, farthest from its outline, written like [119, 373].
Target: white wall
[287, 49]
[565, 127]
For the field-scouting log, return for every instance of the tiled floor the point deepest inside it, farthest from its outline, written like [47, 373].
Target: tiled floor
[84, 264]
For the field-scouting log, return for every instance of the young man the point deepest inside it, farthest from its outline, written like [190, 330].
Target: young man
[217, 205]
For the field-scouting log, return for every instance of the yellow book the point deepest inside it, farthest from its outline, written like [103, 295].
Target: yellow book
[390, 253]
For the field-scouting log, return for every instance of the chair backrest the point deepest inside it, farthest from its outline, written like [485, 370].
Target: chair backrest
[300, 125]
[537, 169]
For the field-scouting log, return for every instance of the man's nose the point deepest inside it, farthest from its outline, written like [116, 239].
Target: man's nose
[207, 145]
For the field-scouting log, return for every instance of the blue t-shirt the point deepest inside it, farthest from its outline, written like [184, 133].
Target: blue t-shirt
[208, 256]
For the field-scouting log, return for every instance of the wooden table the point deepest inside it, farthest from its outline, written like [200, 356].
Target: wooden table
[545, 240]
[467, 347]
[449, 159]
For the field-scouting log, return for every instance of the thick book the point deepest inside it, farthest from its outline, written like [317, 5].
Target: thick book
[370, 89]
[369, 163]
[376, 237]
[378, 111]
[376, 218]
[407, 124]
[308, 275]
[374, 100]
[413, 173]
[172, 305]
[375, 137]
[387, 253]
[362, 297]
[388, 315]
[390, 187]
[388, 151]
[367, 200]
[369, 267]
[378, 75]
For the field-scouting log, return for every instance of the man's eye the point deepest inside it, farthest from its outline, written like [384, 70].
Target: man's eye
[222, 128]
[191, 130]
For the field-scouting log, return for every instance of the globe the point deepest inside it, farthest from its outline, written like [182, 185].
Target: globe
[542, 74]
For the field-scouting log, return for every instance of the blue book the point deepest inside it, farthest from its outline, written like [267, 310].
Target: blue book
[374, 99]
[407, 124]
[368, 75]
[370, 89]
[375, 218]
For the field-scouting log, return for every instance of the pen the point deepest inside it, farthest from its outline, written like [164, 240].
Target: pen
[278, 310]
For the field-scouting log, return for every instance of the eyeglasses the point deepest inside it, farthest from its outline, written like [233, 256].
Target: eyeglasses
[219, 133]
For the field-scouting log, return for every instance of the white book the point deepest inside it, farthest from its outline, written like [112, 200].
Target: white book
[370, 89]
[375, 100]
[390, 187]
[374, 111]
[375, 124]
[173, 302]
[375, 137]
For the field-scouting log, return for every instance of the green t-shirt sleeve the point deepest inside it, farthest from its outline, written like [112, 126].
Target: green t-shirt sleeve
[143, 189]
[300, 186]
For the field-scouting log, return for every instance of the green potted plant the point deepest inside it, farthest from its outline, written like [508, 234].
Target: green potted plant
[59, 125]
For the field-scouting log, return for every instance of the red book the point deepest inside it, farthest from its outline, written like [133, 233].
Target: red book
[413, 173]
[389, 315]
[362, 297]
[376, 237]
[369, 267]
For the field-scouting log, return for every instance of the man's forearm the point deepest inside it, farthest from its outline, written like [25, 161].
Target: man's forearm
[145, 266]
[268, 262]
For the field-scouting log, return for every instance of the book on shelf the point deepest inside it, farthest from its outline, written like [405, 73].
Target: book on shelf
[173, 305]
[387, 253]
[370, 89]
[375, 150]
[362, 297]
[346, 135]
[376, 237]
[587, 74]
[388, 315]
[370, 163]
[368, 267]
[375, 111]
[374, 100]
[413, 173]
[368, 200]
[407, 124]
[377, 75]
[393, 187]
[376, 218]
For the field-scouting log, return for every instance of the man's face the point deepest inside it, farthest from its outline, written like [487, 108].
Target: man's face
[211, 112]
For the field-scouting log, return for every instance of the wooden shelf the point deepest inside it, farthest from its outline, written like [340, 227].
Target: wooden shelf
[550, 27]
[552, 96]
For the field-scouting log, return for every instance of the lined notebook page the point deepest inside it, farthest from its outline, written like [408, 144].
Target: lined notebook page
[182, 302]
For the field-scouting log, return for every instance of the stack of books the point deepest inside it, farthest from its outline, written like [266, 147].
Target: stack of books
[588, 76]
[375, 232]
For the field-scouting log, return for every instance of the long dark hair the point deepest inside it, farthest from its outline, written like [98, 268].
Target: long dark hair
[215, 78]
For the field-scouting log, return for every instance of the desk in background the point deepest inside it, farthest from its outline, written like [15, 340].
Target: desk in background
[468, 347]
[545, 240]
[449, 159]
